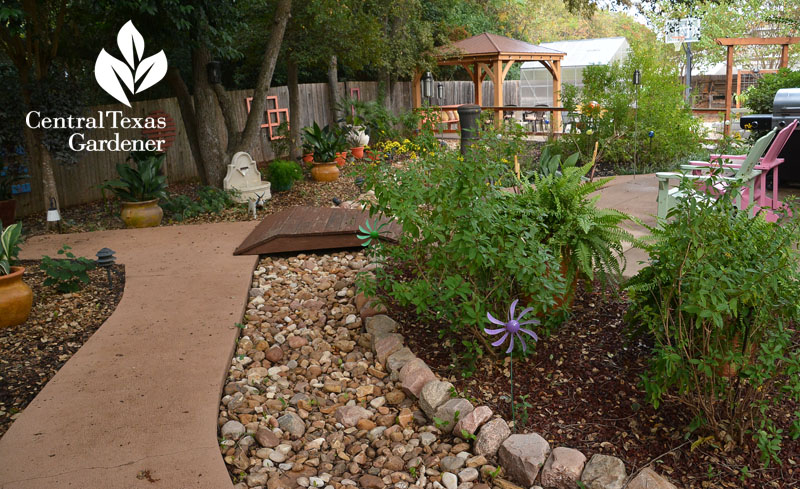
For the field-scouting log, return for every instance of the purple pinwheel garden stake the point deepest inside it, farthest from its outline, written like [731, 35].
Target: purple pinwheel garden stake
[370, 233]
[511, 329]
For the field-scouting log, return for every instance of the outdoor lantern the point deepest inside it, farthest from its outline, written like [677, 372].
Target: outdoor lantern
[359, 182]
[53, 215]
[337, 201]
[214, 72]
[440, 90]
[427, 85]
[106, 259]
[637, 77]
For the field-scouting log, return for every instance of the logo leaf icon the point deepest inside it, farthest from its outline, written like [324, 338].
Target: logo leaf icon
[108, 71]
[131, 44]
[114, 76]
[152, 69]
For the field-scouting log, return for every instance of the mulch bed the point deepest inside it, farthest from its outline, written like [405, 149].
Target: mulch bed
[31, 353]
[583, 387]
[97, 216]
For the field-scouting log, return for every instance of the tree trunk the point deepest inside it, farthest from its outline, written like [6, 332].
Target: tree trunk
[186, 105]
[38, 153]
[333, 89]
[294, 109]
[209, 136]
[386, 80]
[252, 126]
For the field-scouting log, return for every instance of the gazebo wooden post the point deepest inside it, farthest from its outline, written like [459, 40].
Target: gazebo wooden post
[477, 79]
[498, 91]
[416, 90]
[784, 55]
[728, 88]
[556, 122]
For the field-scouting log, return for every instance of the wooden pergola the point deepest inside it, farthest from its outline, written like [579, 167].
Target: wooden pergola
[730, 42]
[493, 55]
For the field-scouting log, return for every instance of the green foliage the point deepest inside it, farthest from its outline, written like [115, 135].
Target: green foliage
[759, 97]
[282, 174]
[719, 298]
[140, 183]
[10, 175]
[210, 200]
[526, 405]
[607, 115]
[67, 274]
[9, 246]
[477, 246]
[380, 123]
[551, 164]
[324, 143]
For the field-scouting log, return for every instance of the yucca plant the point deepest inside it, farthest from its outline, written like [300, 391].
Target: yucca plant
[140, 183]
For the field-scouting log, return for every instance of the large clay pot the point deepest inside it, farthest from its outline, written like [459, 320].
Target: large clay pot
[16, 298]
[325, 172]
[308, 157]
[357, 153]
[141, 214]
[8, 211]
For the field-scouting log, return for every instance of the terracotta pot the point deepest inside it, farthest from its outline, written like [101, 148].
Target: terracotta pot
[141, 214]
[357, 153]
[730, 370]
[8, 211]
[308, 157]
[341, 159]
[325, 172]
[16, 298]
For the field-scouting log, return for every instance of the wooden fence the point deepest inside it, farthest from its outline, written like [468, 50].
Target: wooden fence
[78, 183]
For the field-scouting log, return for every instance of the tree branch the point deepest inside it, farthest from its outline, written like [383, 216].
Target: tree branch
[228, 113]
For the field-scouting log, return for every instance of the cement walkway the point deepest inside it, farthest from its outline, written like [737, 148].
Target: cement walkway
[143, 393]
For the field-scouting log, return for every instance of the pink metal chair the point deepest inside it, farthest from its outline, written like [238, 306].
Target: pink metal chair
[769, 161]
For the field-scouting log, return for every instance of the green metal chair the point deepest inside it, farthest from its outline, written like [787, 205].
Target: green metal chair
[745, 174]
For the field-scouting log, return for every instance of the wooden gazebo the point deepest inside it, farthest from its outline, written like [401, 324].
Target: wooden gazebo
[493, 55]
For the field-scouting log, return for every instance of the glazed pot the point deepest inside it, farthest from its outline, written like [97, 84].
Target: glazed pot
[325, 172]
[145, 214]
[8, 211]
[357, 153]
[16, 298]
[308, 157]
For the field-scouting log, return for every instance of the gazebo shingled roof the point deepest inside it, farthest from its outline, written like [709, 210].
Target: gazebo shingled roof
[493, 55]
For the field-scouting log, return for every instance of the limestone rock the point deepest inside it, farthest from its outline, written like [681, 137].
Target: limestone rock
[232, 430]
[398, 359]
[433, 395]
[490, 437]
[649, 479]
[473, 420]
[380, 324]
[604, 472]
[522, 456]
[414, 375]
[386, 345]
[447, 413]
[563, 468]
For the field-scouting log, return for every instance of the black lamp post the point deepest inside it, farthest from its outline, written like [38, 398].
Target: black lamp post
[214, 69]
[427, 85]
[106, 259]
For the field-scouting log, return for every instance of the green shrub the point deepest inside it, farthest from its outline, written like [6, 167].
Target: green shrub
[210, 200]
[622, 131]
[282, 174]
[141, 182]
[67, 274]
[469, 247]
[759, 97]
[719, 298]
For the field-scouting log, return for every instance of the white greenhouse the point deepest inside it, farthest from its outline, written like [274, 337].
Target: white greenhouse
[536, 83]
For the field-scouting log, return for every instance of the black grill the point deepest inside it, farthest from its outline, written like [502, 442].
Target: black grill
[785, 109]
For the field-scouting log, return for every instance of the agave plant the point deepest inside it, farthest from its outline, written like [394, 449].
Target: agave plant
[358, 137]
[140, 183]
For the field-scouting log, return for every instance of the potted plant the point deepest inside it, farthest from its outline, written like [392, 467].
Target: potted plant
[358, 138]
[325, 143]
[282, 174]
[139, 189]
[9, 175]
[16, 298]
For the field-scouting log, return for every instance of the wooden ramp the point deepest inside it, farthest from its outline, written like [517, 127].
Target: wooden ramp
[310, 228]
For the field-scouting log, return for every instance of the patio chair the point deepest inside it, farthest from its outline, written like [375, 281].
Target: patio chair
[745, 174]
[769, 161]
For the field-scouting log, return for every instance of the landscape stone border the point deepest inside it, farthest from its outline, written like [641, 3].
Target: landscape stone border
[526, 459]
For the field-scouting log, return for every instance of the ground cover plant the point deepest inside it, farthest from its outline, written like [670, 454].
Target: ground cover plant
[719, 299]
[209, 200]
[68, 274]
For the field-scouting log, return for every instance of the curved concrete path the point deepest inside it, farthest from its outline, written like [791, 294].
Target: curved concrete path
[143, 393]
